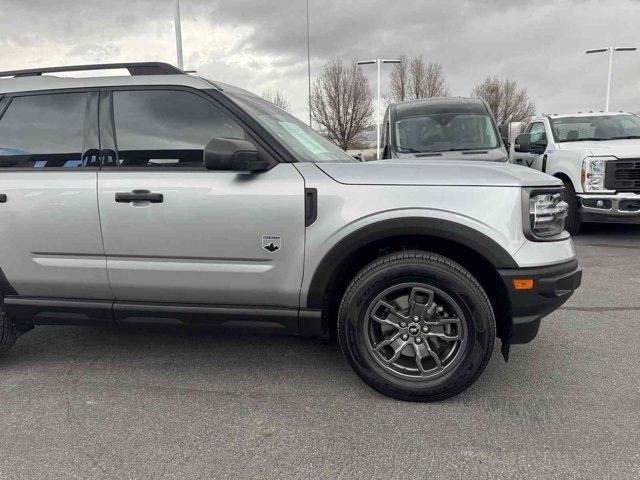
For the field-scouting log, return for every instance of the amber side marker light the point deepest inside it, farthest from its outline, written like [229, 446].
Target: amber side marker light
[523, 283]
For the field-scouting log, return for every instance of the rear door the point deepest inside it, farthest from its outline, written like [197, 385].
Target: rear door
[49, 225]
[205, 237]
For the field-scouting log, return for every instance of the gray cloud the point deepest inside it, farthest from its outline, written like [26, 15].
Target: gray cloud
[262, 44]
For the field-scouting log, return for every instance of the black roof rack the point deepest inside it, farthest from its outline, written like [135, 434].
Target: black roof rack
[139, 68]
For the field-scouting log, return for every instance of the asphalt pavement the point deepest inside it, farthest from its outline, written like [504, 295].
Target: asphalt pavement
[174, 403]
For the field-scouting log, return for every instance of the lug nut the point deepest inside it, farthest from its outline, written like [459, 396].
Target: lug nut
[425, 329]
[403, 324]
[418, 340]
[416, 318]
[405, 337]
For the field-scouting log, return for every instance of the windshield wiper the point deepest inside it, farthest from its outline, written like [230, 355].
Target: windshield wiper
[409, 150]
[626, 137]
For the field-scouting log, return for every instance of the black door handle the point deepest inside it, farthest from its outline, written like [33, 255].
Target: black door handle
[139, 196]
[3, 198]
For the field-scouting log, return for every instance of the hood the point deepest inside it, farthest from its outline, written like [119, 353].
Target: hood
[617, 148]
[437, 172]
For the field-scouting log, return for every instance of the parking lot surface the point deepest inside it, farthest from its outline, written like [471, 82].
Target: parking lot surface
[169, 402]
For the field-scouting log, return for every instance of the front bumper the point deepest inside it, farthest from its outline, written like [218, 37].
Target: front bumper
[609, 208]
[552, 286]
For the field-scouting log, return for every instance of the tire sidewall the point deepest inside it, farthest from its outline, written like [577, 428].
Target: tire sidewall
[478, 318]
[573, 216]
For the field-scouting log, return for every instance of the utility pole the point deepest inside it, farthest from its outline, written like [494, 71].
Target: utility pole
[610, 50]
[378, 62]
[178, 35]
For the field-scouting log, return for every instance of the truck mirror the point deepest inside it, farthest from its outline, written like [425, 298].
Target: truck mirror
[522, 143]
[538, 147]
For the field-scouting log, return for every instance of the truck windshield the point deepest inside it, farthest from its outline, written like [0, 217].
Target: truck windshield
[304, 142]
[596, 128]
[445, 132]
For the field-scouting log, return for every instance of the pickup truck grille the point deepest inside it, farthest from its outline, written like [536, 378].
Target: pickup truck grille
[623, 175]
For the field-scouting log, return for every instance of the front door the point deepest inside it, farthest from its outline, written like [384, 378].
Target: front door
[177, 233]
[537, 133]
[49, 224]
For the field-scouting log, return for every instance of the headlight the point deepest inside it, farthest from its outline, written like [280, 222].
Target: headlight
[547, 212]
[593, 173]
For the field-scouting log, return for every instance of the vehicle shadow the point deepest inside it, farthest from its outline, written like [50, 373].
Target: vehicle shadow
[205, 360]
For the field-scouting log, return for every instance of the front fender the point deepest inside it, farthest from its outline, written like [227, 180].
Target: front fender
[487, 241]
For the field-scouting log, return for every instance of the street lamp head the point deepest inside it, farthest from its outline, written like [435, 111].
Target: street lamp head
[366, 62]
[392, 61]
[598, 50]
[625, 49]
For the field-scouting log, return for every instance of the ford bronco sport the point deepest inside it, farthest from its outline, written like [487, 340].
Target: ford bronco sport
[163, 196]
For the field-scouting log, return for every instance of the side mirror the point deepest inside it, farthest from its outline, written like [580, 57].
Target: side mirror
[538, 147]
[229, 154]
[522, 143]
[359, 157]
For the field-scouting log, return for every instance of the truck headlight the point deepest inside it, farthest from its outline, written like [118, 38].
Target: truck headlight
[547, 213]
[593, 171]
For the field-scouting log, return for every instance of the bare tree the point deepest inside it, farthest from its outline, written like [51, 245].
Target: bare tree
[342, 103]
[278, 98]
[399, 80]
[435, 84]
[415, 79]
[507, 101]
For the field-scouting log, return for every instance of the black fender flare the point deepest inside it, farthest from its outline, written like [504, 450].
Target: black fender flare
[441, 229]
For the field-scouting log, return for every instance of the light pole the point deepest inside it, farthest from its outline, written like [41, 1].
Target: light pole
[178, 35]
[309, 61]
[378, 62]
[610, 50]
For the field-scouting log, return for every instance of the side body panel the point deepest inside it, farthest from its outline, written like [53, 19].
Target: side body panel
[494, 212]
[566, 163]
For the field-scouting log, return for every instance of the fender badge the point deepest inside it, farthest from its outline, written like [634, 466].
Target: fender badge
[271, 243]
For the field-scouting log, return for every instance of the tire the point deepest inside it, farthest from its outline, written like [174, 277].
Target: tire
[572, 223]
[8, 333]
[441, 291]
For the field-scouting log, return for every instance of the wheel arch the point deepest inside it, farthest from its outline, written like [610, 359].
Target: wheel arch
[475, 251]
[563, 176]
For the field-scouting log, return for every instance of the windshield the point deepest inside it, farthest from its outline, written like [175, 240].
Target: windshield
[445, 132]
[304, 142]
[599, 127]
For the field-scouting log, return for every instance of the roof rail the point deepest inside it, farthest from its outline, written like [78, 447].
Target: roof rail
[138, 68]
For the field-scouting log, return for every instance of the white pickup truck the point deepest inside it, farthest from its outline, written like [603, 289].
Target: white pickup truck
[596, 155]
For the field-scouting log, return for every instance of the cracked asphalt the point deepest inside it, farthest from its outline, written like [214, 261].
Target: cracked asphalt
[167, 403]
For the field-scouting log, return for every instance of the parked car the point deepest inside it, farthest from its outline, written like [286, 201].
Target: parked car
[447, 128]
[597, 157]
[165, 196]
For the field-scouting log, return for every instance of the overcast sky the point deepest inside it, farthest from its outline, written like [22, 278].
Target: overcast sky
[260, 44]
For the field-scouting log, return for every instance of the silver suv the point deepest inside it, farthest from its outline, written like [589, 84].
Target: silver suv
[162, 196]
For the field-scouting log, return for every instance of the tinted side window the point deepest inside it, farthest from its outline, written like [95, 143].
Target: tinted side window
[43, 131]
[162, 128]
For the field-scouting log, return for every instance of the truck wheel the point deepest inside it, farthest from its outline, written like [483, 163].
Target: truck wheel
[572, 223]
[416, 326]
[8, 333]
